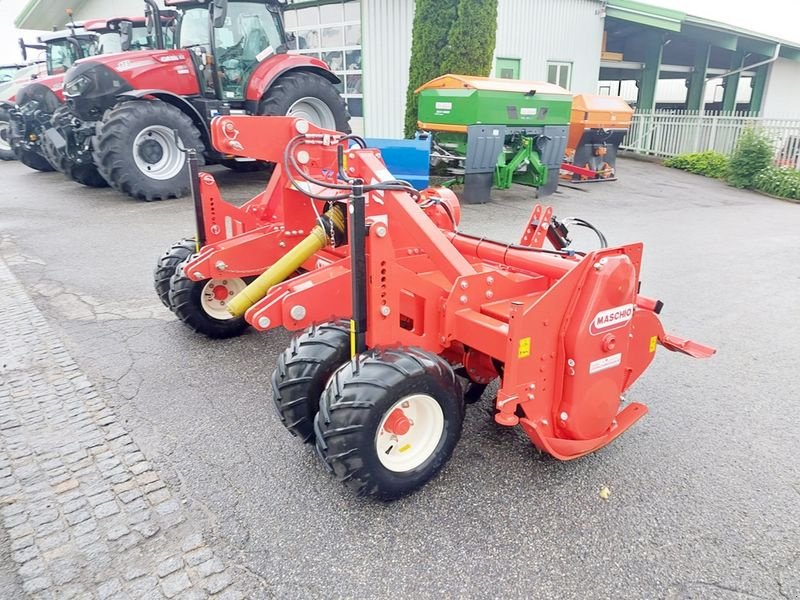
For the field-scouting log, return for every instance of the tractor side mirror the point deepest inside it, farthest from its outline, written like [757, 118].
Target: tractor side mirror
[126, 35]
[23, 49]
[220, 11]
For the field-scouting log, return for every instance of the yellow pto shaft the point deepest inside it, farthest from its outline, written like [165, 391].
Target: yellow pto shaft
[286, 265]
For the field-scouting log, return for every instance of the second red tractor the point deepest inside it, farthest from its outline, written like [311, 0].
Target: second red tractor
[137, 112]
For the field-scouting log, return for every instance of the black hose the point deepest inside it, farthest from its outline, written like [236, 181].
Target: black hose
[587, 225]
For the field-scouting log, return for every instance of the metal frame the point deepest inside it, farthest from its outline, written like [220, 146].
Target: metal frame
[566, 333]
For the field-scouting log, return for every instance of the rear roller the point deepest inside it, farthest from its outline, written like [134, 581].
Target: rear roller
[203, 305]
[387, 425]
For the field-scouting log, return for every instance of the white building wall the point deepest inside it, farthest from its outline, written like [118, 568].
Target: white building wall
[538, 31]
[386, 45]
[783, 90]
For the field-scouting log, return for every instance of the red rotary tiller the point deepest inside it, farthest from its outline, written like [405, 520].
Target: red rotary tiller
[405, 318]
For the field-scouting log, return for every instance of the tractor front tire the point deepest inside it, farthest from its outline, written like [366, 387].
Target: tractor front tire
[6, 152]
[87, 175]
[389, 420]
[202, 304]
[168, 264]
[308, 96]
[35, 161]
[302, 372]
[136, 152]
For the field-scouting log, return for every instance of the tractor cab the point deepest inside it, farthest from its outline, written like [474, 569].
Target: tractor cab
[228, 40]
[124, 34]
[62, 48]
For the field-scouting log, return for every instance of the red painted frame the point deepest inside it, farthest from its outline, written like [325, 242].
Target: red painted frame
[567, 333]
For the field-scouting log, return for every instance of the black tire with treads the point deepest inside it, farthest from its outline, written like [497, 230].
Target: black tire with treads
[35, 161]
[168, 264]
[357, 398]
[113, 148]
[185, 300]
[303, 370]
[296, 85]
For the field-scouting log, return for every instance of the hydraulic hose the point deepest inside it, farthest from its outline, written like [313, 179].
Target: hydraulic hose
[316, 240]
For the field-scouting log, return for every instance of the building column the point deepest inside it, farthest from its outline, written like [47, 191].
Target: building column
[695, 96]
[759, 85]
[652, 67]
[731, 83]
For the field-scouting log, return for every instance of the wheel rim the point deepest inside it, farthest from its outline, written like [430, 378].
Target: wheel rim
[217, 293]
[314, 111]
[156, 154]
[5, 128]
[409, 433]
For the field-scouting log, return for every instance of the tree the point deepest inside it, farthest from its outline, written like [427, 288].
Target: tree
[450, 36]
[432, 21]
[471, 40]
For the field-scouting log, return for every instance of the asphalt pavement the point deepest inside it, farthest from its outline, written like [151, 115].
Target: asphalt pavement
[705, 491]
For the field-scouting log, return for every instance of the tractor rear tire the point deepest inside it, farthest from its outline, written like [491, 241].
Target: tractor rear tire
[302, 372]
[6, 152]
[135, 149]
[168, 264]
[35, 161]
[352, 429]
[309, 96]
[192, 301]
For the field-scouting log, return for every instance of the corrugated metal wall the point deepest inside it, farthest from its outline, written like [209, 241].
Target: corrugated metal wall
[386, 45]
[538, 31]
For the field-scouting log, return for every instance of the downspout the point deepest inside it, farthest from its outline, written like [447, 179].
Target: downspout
[735, 71]
[748, 67]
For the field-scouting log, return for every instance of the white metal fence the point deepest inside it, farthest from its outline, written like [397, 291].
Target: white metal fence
[667, 133]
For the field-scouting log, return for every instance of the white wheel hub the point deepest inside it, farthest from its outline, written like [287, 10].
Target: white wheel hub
[314, 111]
[409, 433]
[156, 153]
[217, 293]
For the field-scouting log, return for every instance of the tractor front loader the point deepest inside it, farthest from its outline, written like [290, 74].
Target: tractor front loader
[405, 319]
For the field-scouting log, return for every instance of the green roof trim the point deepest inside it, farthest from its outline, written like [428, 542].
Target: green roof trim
[25, 13]
[645, 14]
[718, 34]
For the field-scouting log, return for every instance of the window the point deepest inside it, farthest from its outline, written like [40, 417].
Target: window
[507, 68]
[332, 33]
[62, 53]
[560, 73]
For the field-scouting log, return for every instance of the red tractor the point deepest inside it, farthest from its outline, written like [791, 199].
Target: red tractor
[139, 111]
[30, 111]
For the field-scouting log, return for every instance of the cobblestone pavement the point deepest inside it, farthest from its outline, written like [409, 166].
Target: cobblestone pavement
[86, 514]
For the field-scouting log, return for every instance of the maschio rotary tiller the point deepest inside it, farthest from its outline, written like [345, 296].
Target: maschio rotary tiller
[406, 319]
